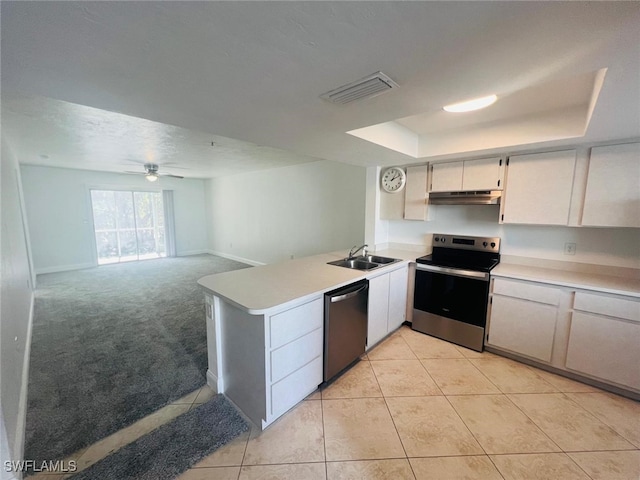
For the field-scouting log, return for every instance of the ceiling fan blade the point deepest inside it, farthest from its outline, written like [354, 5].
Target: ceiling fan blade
[135, 173]
[169, 175]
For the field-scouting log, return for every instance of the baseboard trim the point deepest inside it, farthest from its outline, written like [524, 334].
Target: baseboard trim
[5, 453]
[64, 268]
[22, 408]
[236, 258]
[191, 252]
[214, 382]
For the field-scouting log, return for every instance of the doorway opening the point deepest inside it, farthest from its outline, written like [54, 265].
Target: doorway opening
[128, 225]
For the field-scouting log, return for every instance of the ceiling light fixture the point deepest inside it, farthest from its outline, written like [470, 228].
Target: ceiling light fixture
[471, 105]
[151, 177]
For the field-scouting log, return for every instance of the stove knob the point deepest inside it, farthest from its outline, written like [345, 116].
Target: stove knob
[437, 239]
[484, 244]
[493, 244]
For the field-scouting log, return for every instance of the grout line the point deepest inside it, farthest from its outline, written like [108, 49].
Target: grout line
[324, 438]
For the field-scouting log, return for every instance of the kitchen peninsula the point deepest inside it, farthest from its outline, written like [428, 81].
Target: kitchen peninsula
[265, 326]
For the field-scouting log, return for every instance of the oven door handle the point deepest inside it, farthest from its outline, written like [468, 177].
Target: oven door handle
[484, 276]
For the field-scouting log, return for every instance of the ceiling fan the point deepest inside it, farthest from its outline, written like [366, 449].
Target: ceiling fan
[151, 172]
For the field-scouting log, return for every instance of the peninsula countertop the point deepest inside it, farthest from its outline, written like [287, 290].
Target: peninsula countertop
[262, 289]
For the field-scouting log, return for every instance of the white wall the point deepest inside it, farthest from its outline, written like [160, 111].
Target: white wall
[616, 247]
[300, 210]
[59, 211]
[16, 308]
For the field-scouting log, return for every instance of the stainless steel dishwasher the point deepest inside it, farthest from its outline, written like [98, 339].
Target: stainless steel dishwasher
[345, 327]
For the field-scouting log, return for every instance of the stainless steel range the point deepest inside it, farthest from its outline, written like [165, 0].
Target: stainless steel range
[452, 288]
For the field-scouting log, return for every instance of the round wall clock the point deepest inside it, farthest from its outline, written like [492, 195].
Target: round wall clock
[393, 179]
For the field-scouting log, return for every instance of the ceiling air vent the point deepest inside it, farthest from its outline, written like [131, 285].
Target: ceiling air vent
[368, 86]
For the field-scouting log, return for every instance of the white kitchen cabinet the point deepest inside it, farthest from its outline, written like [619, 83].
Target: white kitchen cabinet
[387, 304]
[265, 364]
[398, 287]
[612, 197]
[446, 177]
[415, 197]
[523, 318]
[295, 347]
[538, 188]
[604, 338]
[469, 175]
[378, 309]
[484, 174]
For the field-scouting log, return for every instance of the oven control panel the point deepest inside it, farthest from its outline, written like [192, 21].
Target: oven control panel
[482, 244]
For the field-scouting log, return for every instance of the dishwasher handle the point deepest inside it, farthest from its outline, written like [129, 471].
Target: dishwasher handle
[340, 298]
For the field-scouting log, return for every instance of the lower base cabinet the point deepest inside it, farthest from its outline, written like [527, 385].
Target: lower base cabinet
[523, 326]
[387, 304]
[594, 335]
[606, 347]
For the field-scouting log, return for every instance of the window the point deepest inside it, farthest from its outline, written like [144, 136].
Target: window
[128, 225]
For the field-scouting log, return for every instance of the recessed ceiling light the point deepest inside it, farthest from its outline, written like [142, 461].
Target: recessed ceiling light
[471, 105]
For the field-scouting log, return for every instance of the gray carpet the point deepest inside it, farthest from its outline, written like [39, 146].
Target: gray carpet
[171, 449]
[112, 344]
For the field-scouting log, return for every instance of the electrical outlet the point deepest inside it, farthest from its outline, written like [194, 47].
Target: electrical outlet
[569, 248]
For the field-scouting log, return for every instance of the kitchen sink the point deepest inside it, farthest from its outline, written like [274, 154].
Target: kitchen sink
[377, 259]
[367, 262]
[355, 263]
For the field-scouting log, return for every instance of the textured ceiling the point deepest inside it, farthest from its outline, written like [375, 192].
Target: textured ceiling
[253, 71]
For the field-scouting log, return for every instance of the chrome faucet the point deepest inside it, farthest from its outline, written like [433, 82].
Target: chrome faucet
[353, 252]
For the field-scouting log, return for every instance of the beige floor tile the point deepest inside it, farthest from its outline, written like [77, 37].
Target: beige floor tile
[455, 468]
[206, 393]
[500, 426]
[540, 466]
[359, 429]
[430, 427]
[392, 348]
[457, 376]
[229, 455]
[512, 377]
[426, 346]
[317, 395]
[300, 471]
[398, 469]
[404, 378]
[468, 353]
[216, 473]
[570, 426]
[357, 382]
[564, 384]
[294, 438]
[187, 399]
[621, 414]
[114, 442]
[609, 465]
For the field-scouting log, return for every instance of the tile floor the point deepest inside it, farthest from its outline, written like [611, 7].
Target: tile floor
[419, 408]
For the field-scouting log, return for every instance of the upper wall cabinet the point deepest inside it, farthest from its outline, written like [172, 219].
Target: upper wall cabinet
[469, 175]
[612, 197]
[538, 188]
[415, 198]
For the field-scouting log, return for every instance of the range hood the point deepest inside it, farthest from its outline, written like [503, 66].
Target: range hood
[465, 198]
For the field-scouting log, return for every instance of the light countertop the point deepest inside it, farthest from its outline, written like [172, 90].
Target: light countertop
[267, 288]
[573, 279]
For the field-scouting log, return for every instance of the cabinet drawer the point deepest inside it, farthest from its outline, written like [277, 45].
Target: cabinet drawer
[608, 305]
[527, 291]
[293, 355]
[296, 322]
[294, 388]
